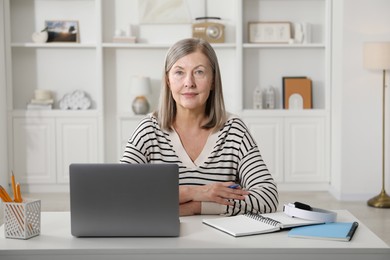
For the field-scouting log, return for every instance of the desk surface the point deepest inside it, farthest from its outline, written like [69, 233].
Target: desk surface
[196, 240]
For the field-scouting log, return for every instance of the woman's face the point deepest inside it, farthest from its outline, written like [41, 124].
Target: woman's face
[190, 80]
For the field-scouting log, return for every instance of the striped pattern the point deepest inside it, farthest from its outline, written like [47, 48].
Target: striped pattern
[235, 157]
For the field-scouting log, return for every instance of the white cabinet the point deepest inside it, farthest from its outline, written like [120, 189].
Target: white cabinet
[305, 150]
[77, 142]
[44, 147]
[103, 69]
[126, 126]
[294, 148]
[268, 133]
[34, 149]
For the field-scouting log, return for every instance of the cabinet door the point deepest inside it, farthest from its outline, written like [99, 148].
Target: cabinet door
[269, 137]
[34, 150]
[304, 150]
[126, 128]
[76, 143]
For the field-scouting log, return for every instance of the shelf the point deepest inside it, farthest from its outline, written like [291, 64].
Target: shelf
[284, 113]
[56, 113]
[157, 46]
[53, 45]
[283, 46]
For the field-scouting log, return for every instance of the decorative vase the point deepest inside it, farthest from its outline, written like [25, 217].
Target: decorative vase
[140, 105]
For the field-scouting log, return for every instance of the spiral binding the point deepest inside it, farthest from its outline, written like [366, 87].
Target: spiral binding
[263, 219]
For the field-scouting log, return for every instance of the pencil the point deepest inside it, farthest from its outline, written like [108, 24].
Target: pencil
[13, 185]
[18, 195]
[4, 195]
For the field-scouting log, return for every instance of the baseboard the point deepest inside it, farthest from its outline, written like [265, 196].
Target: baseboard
[45, 188]
[345, 196]
[303, 186]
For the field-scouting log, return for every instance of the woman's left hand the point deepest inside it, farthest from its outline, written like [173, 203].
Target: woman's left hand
[218, 192]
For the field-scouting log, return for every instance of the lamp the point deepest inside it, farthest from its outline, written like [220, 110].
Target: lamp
[140, 87]
[377, 57]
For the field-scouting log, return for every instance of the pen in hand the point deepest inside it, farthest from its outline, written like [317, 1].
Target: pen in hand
[234, 186]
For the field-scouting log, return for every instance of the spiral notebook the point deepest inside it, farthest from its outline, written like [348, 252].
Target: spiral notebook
[251, 224]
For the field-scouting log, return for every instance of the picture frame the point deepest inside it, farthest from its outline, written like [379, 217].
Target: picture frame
[63, 30]
[269, 32]
[297, 93]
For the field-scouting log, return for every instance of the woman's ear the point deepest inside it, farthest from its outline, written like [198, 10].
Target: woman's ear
[167, 83]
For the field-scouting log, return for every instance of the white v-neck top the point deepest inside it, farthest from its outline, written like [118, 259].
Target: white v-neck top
[231, 154]
[182, 153]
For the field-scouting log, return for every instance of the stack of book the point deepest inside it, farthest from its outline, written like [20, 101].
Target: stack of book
[42, 100]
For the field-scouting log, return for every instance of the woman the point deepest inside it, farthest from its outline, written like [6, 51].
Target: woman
[214, 150]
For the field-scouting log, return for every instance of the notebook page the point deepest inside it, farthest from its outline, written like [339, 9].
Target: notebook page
[240, 225]
[287, 221]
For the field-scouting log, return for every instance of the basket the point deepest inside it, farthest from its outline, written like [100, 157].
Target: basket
[22, 220]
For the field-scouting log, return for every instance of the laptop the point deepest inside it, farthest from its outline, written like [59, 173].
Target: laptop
[124, 200]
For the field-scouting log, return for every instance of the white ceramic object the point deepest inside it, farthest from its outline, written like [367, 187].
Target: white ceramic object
[295, 102]
[40, 37]
[75, 101]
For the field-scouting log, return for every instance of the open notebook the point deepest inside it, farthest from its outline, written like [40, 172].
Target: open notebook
[251, 224]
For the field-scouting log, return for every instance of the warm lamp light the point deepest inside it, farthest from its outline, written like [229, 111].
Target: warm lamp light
[377, 57]
[140, 88]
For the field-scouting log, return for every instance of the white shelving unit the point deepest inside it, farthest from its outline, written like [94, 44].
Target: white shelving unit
[43, 143]
[295, 144]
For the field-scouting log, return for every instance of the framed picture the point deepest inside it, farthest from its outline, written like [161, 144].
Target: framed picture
[297, 93]
[164, 12]
[62, 31]
[269, 32]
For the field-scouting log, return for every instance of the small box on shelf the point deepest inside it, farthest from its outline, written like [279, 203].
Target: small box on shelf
[122, 36]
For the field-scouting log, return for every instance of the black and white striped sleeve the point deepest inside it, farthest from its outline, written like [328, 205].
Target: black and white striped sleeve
[254, 176]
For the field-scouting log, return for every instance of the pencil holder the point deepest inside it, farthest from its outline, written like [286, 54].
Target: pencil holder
[22, 220]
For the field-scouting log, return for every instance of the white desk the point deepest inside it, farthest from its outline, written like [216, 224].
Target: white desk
[197, 241]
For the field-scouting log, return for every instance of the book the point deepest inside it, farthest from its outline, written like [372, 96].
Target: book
[253, 224]
[294, 87]
[342, 231]
[42, 101]
[32, 106]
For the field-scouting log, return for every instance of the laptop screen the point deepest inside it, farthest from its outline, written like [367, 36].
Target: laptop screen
[124, 199]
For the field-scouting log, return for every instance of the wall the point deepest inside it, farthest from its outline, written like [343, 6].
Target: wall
[356, 100]
[3, 113]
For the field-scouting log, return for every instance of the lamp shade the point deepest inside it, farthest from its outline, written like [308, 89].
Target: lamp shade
[140, 86]
[376, 55]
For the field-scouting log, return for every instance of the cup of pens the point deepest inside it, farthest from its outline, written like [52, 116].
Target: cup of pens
[22, 218]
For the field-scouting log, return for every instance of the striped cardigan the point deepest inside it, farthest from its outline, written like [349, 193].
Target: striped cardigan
[231, 154]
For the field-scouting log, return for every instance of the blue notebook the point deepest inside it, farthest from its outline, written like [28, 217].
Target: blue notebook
[342, 231]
